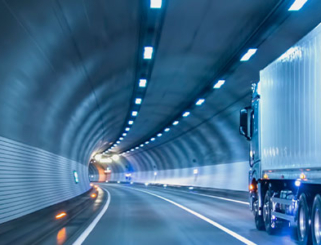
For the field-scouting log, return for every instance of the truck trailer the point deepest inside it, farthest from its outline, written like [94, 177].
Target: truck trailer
[283, 126]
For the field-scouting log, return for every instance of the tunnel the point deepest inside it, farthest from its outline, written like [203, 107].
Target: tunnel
[120, 121]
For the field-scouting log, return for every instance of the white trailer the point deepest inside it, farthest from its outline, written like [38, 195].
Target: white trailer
[283, 125]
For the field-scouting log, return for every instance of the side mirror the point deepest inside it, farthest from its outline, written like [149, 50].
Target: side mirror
[244, 122]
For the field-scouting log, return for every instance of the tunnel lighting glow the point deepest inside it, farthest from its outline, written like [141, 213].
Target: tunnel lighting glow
[148, 53]
[142, 83]
[146, 184]
[94, 195]
[127, 129]
[152, 139]
[131, 122]
[115, 157]
[155, 173]
[118, 182]
[128, 175]
[61, 215]
[186, 114]
[297, 183]
[106, 160]
[76, 177]
[175, 123]
[91, 184]
[124, 134]
[219, 84]
[297, 5]
[121, 138]
[137, 148]
[142, 145]
[132, 150]
[191, 188]
[118, 142]
[155, 4]
[131, 183]
[159, 135]
[167, 129]
[134, 113]
[195, 171]
[147, 142]
[107, 181]
[98, 157]
[302, 176]
[165, 186]
[200, 102]
[138, 101]
[247, 56]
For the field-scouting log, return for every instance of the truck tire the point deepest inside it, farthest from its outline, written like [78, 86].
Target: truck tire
[259, 222]
[303, 218]
[316, 220]
[267, 214]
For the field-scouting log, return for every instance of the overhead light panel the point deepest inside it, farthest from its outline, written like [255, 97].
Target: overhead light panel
[147, 142]
[142, 145]
[138, 101]
[152, 139]
[186, 114]
[148, 53]
[124, 134]
[297, 5]
[219, 84]
[118, 142]
[167, 129]
[131, 122]
[155, 4]
[200, 102]
[121, 138]
[175, 123]
[137, 148]
[248, 54]
[134, 113]
[127, 129]
[142, 83]
[132, 150]
[159, 135]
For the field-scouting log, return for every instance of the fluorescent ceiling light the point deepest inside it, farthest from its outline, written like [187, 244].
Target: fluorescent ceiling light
[127, 129]
[200, 102]
[155, 4]
[219, 84]
[124, 134]
[186, 114]
[142, 145]
[118, 142]
[147, 142]
[121, 138]
[138, 101]
[248, 54]
[137, 148]
[152, 139]
[297, 5]
[159, 135]
[132, 150]
[167, 129]
[148, 53]
[131, 122]
[134, 113]
[142, 83]
[175, 123]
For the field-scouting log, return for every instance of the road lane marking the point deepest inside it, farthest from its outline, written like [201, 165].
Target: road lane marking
[232, 233]
[89, 229]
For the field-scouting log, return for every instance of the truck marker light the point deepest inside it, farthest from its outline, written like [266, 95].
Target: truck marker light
[94, 195]
[302, 176]
[251, 187]
[297, 183]
[265, 176]
[61, 215]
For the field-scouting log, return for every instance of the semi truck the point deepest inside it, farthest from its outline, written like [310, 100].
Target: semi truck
[283, 126]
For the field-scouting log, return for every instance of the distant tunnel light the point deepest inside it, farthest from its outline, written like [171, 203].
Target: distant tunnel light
[131, 122]
[219, 84]
[124, 134]
[61, 215]
[121, 138]
[127, 129]
[175, 123]
[167, 129]
[297, 5]
[155, 173]
[94, 195]
[136, 147]
[159, 135]
[200, 102]
[142, 145]
[115, 157]
[148, 53]
[152, 139]
[134, 113]
[195, 171]
[132, 150]
[138, 101]
[248, 54]
[147, 142]
[186, 114]
[118, 142]
[155, 4]
[142, 83]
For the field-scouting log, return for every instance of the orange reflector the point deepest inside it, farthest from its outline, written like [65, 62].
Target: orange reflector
[302, 176]
[61, 215]
[251, 187]
[94, 195]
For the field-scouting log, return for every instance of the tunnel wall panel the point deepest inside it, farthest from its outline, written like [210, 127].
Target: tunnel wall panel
[232, 176]
[32, 179]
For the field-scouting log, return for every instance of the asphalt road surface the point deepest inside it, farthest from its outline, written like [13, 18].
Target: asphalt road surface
[152, 215]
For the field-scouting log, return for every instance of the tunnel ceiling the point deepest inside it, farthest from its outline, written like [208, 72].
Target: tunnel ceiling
[70, 72]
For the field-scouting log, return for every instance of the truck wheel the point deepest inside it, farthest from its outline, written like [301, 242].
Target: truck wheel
[316, 220]
[259, 222]
[267, 214]
[303, 226]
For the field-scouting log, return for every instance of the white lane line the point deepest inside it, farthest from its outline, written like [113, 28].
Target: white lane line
[89, 229]
[232, 233]
[217, 197]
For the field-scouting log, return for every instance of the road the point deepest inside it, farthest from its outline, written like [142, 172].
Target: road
[152, 215]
